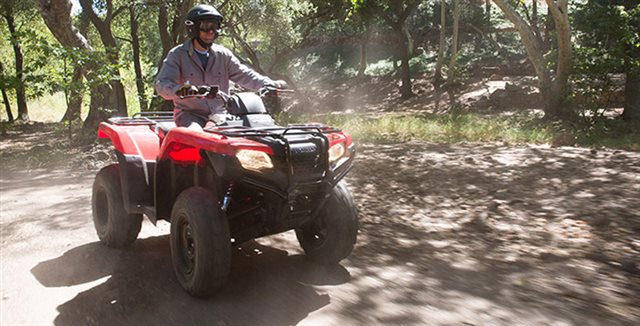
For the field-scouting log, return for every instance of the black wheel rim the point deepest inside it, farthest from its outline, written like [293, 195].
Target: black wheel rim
[315, 233]
[187, 246]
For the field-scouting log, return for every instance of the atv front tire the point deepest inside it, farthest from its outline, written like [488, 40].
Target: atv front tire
[330, 237]
[200, 242]
[115, 227]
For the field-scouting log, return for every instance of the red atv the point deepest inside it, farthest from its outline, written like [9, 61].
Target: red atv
[241, 179]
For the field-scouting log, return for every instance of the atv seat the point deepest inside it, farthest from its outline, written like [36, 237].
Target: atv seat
[250, 108]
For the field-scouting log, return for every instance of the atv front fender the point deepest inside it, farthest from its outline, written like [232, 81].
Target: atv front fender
[136, 148]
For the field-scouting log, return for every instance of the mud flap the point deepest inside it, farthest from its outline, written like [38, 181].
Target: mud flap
[136, 184]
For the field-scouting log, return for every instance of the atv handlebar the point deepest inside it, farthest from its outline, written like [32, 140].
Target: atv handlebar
[212, 91]
[272, 91]
[204, 91]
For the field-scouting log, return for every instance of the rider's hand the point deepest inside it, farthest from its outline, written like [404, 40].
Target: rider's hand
[210, 124]
[186, 90]
[280, 84]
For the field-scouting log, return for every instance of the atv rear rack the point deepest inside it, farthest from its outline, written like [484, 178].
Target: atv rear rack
[161, 116]
[143, 118]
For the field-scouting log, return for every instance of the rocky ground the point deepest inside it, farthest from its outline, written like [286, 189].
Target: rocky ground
[466, 234]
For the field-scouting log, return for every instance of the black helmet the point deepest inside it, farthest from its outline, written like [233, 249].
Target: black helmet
[200, 13]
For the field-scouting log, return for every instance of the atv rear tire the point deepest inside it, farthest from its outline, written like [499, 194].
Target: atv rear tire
[200, 242]
[115, 227]
[330, 237]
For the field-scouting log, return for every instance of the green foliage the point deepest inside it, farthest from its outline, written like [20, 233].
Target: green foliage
[36, 43]
[615, 43]
[317, 42]
[609, 133]
[602, 52]
[271, 27]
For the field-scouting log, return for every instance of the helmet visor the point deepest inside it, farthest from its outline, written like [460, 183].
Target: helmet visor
[209, 26]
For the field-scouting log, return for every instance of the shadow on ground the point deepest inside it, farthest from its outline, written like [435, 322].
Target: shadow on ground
[266, 287]
[485, 234]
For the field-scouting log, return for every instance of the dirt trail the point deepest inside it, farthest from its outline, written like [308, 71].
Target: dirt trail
[450, 234]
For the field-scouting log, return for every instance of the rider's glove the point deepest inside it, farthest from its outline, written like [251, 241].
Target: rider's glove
[279, 84]
[186, 90]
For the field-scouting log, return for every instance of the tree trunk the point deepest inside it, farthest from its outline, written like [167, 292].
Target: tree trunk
[405, 87]
[111, 48]
[553, 90]
[486, 36]
[534, 15]
[487, 12]
[165, 34]
[7, 105]
[559, 108]
[454, 43]
[101, 100]
[74, 97]
[397, 19]
[443, 20]
[364, 42]
[57, 17]
[5, 97]
[73, 94]
[529, 40]
[168, 38]
[632, 98]
[411, 47]
[549, 28]
[178, 27]
[21, 97]
[135, 45]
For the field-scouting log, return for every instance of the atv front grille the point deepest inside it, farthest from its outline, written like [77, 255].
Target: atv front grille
[301, 149]
[305, 161]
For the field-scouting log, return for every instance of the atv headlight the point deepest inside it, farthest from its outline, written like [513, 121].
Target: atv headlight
[254, 160]
[336, 152]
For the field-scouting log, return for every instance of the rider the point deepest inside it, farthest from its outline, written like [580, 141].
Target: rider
[198, 61]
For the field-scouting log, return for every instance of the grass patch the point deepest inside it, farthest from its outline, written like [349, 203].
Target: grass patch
[52, 107]
[467, 127]
[609, 133]
[439, 128]
[47, 108]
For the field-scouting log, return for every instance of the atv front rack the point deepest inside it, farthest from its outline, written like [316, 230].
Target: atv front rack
[303, 150]
[275, 131]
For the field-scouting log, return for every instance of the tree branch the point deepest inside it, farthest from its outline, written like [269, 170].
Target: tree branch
[124, 39]
[531, 44]
[121, 9]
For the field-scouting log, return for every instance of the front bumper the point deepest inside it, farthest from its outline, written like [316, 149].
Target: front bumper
[286, 180]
